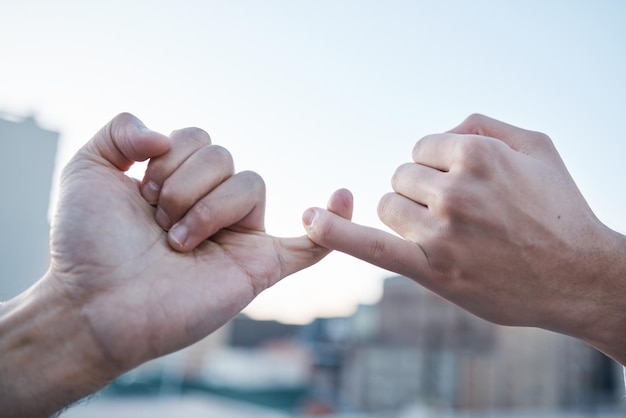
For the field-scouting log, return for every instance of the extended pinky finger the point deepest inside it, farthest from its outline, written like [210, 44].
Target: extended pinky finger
[369, 244]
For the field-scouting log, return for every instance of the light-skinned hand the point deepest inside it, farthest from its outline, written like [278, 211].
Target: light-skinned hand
[490, 219]
[121, 289]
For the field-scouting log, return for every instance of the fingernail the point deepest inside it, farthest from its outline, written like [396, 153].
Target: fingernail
[179, 234]
[309, 216]
[162, 219]
[150, 192]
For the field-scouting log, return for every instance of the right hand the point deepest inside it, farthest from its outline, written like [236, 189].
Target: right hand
[492, 221]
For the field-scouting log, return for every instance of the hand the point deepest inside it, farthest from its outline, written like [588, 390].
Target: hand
[142, 299]
[120, 289]
[492, 221]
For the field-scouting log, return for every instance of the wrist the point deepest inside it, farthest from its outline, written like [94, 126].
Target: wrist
[603, 317]
[47, 353]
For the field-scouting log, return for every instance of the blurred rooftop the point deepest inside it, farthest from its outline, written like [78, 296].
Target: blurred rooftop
[202, 406]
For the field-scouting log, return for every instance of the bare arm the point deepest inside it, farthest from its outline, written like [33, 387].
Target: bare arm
[139, 269]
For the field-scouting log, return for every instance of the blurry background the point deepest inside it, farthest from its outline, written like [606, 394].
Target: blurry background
[315, 96]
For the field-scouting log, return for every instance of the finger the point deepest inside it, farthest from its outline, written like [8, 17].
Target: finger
[408, 218]
[369, 244]
[519, 139]
[341, 203]
[435, 151]
[184, 143]
[417, 182]
[482, 125]
[124, 140]
[204, 170]
[446, 151]
[238, 201]
[300, 252]
[297, 254]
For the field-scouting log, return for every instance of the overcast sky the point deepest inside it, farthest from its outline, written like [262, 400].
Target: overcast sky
[319, 95]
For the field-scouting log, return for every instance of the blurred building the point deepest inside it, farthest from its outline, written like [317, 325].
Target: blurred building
[246, 332]
[28, 158]
[413, 351]
[428, 351]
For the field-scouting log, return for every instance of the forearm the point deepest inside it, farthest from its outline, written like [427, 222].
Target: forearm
[606, 328]
[47, 356]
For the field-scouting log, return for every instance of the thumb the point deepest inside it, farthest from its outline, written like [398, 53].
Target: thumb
[300, 252]
[124, 140]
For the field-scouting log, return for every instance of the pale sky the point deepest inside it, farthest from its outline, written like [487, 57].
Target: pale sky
[319, 95]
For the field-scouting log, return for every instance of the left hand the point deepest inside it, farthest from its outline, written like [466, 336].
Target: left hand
[122, 290]
[145, 292]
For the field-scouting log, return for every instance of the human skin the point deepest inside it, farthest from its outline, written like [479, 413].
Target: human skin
[490, 219]
[121, 289]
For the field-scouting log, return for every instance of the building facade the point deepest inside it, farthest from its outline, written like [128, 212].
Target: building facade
[28, 159]
[429, 352]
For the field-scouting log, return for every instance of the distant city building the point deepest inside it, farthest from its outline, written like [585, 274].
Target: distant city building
[428, 351]
[26, 169]
[413, 316]
[411, 351]
[247, 332]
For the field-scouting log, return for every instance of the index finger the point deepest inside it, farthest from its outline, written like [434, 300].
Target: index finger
[185, 142]
[518, 139]
[435, 151]
[482, 125]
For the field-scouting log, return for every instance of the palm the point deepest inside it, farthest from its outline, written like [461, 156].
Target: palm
[138, 297]
[120, 290]
[167, 299]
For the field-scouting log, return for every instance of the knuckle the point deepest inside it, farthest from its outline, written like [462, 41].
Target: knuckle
[401, 173]
[475, 122]
[449, 203]
[167, 193]
[384, 206]
[117, 126]
[169, 197]
[475, 118]
[540, 139]
[157, 170]
[153, 172]
[254, 180]
[323, 230]
[201, 213]
[173, 200]
[192, 134]
[419, 145]
[474, 154]
[123, 117]
[376, 249]
[221, 155]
